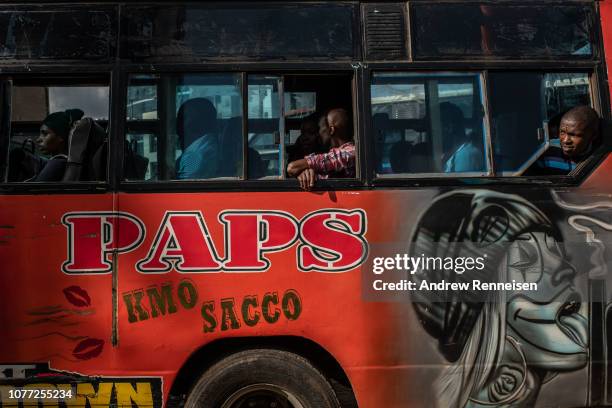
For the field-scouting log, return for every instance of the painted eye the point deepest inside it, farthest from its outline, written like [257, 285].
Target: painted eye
[524, 257]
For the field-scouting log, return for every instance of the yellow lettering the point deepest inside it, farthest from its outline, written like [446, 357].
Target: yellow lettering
[85, 392]
[141, 396]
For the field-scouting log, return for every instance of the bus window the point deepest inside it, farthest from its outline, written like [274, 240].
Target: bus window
[271, 30]
[56, 32]
[520, 114]
[431, 123]
[47, 144]
[501, 30]
[183, 127]
[306, 99]
[166, 114]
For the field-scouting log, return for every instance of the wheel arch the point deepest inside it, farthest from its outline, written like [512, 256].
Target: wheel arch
[207, 355]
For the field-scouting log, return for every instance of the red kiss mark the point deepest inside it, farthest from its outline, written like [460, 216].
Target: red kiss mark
[77, 296]
[88, 348]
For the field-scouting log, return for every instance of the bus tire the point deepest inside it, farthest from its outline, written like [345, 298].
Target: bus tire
[261, 376]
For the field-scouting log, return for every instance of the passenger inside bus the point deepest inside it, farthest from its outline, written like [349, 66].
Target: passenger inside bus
[53, 141]
[463, 155]
[49, 140]
[338, 162]
[196, 127]
[553, 125]
[578, 133]
[308, 141]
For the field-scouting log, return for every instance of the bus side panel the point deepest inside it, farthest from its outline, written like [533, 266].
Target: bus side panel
[387, 344]
[174, 313]
[395, 351]
[47, 316]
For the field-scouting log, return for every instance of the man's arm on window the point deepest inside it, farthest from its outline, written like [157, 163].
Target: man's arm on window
[296, 167]
[335, 160]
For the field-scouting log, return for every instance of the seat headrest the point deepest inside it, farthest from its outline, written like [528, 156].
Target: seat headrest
[85, 139]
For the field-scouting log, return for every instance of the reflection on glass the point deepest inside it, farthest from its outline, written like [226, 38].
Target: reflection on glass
[31, 105]
[264, 150]
[428, 123]
[564, 91]
[141, 157]
[300, 104]
[507, 30]
[521, 104]
[272, 30]
[142, 102]
[198, 119]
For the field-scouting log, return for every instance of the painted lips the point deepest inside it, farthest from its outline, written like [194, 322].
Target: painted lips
[88, 348]
[572, 323]
[77, 296]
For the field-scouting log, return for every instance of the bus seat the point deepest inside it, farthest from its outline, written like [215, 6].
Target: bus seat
[381, 127]
[381, 124]
[231, 148]
[257, 165]
[87, 152]
[134, 165]
[400, 156]
[420, 158]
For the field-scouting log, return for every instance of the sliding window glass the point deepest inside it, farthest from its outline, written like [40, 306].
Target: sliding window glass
[429, 124]
[526, 110]
[183, 127]
[209, 126]
[436, 124]
[265, 127]
[57, 130]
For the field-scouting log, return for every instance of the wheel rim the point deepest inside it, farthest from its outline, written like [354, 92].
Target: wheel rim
[262, 396]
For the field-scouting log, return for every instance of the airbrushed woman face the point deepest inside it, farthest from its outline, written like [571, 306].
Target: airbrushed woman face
[548, 323]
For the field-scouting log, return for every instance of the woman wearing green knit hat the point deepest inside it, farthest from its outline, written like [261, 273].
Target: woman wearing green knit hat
[53, 141]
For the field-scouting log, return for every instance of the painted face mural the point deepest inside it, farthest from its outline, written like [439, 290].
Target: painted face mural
[548, 321]
[501, 346]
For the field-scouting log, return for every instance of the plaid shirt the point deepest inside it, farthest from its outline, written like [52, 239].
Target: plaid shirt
[338, 162]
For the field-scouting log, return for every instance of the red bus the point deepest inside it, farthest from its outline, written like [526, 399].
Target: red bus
[171, 260]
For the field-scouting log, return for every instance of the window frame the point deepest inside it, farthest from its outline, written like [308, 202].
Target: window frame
[112, 11]
[487, 145]
[156, 126]
[355, 30]
[542, 149]
[594, 21]
[599, 98]
[102, 73]
[355, 70]
[361, 69]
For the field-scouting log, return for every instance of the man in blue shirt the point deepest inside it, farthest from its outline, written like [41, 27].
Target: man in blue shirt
[465, 153]
[578, 131]
[196, 126]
